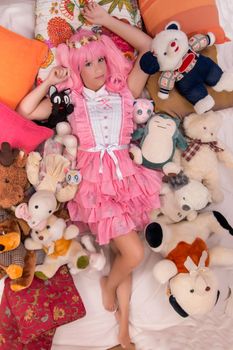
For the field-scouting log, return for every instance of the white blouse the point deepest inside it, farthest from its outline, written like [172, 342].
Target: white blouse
[105, 113]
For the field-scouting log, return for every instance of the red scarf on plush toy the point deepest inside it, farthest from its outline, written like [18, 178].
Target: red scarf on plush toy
[28, 318]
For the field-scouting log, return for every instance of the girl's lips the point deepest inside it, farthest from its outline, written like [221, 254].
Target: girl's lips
[100, 77]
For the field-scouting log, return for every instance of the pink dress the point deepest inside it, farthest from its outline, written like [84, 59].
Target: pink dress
[115, 195]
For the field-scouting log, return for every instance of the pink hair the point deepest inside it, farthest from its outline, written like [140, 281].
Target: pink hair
[118, 67]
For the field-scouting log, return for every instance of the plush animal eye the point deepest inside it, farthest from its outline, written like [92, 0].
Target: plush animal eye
[36, 206]
[184, 198]
[66, 99]
[50, 211]
[149, 111]
[139, 112]
[48, 227]
[165, 53]
[69, 177]
[57, 99]
[191, 290]
[76, 177]
[204, 127]
[7, 181]
[36, 232]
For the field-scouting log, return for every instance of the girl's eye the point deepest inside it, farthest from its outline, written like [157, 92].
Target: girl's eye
[101, 59]
[87, 64]
[57, 99]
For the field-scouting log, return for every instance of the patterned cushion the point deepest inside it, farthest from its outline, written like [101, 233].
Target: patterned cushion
[57, 20]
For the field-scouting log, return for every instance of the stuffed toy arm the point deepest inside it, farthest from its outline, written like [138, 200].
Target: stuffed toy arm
[30, 244]
[33, 167]
[138, 134]
[166, 83]
[221, 256]
[164, 270]
[225, 156]
[199, 42]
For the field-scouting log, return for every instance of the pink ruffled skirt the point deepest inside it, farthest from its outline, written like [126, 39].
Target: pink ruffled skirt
[113, 207]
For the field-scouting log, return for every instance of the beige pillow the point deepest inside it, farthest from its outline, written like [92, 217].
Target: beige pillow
[178, 106]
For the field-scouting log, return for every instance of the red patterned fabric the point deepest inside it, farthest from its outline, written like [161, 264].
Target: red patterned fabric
[28, 319]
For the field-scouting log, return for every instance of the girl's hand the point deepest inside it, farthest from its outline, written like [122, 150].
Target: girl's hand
[58, 75]
[95, 14]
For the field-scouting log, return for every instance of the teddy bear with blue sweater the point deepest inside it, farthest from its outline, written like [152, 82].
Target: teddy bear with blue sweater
[181, 64]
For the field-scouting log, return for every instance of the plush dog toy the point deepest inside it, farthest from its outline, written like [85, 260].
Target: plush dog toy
[182, 203]
[61, 248]
[13, 177]
[157, 147]
[61, 107]
[205, 151]
[186, 267]
[15, 260]
[181, 64]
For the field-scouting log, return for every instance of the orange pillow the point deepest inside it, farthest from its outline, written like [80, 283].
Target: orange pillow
[20, 60]
[194, 16]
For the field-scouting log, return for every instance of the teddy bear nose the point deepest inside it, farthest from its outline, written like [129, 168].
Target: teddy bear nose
[2, 247]
[41, 238]
[186, 207]
[173, 44]
[207, 289]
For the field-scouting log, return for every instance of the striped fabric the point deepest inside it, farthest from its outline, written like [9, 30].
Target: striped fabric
[194, 16]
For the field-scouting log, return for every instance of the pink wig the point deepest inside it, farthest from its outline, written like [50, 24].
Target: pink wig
[118, 67]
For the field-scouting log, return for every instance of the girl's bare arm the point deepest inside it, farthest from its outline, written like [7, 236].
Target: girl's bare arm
[35, 106]
[95, 14]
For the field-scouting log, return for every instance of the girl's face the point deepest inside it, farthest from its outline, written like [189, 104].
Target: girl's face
[93, 73]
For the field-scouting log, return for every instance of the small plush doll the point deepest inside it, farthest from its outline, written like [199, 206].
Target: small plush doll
[193, 288]
[61, 107]
[159, 140]
[55, 170]
[200, 160]
[142, 110]
[181, 64]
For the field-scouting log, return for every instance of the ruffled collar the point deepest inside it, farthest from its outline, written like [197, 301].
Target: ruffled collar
[91, 95]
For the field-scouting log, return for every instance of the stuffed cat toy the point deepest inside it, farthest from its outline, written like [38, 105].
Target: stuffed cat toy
[61, 107]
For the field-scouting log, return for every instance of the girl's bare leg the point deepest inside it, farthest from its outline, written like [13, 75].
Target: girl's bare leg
[131, 252]
[122, 314]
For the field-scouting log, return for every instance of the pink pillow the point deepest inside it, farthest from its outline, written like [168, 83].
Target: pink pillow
[20, 132]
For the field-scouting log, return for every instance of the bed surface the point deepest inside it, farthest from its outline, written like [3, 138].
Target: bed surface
[154, 325]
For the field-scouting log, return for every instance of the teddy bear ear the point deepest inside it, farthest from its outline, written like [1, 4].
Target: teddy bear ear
[149, 63]
[173, 25]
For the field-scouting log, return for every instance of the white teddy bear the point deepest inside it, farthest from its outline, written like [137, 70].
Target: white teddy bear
[181, 64]
[205, 151]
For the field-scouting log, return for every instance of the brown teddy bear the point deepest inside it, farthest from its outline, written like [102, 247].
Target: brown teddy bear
[13, 177]
[15, 261]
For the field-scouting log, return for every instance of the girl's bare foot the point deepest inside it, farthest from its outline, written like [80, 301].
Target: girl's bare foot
[108, 296]
[123, 334]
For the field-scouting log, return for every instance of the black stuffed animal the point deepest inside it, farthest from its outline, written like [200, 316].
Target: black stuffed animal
[61, 107]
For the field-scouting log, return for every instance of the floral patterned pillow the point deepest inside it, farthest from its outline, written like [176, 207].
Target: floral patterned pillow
[57, 20]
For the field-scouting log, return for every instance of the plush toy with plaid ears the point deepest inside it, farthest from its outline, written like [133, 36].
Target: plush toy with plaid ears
[200, 159]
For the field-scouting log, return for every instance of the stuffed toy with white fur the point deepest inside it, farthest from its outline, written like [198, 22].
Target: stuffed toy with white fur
[41, 205]
[186, 266]
[182, 203]
[181, 64]
[159, 140]
[59, 243]
[55, 171]
[201, 159]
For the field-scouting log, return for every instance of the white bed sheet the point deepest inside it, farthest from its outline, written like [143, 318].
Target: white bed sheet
[154, 324]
